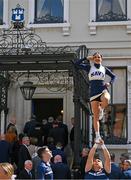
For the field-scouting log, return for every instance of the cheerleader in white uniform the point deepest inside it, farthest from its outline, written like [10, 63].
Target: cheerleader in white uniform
[99, 95]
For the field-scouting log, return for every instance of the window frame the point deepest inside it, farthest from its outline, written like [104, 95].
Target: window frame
[110, 19]
[35, 14]
[65, 25]
[93, 24]
[5, 15]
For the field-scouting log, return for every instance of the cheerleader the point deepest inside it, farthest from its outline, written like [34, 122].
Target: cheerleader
[99, 95]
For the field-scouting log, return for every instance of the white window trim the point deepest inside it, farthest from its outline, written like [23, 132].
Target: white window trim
[93, 24]
[5, 15]
[65, 26]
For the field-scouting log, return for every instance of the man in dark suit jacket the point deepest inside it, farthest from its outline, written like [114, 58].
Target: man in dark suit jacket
[29, 126]
[26, 172]
[59, 151]
[115, 169]
[64, 127]
[23, 153]
[58, 133]
[60, 170]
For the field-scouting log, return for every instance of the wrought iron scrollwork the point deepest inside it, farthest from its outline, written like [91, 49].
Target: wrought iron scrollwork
[56, 81]
[48, 19]
[20, 41]
[111, 16]
[53, 81]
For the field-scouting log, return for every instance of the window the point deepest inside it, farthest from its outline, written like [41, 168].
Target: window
[1, 12]
[114, 124]
[49, 11]
[109, 13]
[111, 10]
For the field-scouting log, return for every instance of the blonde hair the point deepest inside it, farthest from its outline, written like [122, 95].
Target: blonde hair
[8, 168]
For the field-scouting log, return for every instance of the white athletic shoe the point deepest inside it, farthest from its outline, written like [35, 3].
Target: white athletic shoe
[101, 114]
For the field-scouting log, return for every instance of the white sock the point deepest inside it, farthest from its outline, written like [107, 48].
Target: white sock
[97, 135]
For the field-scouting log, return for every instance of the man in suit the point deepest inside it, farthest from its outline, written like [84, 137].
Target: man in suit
[29, 126]
[59, 119]
[58, 133]
[26, 172]
[59, 151]
[115, 169]
[60, 170]
[23, 153]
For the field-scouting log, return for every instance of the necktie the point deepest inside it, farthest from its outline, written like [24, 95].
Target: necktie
[30, 175]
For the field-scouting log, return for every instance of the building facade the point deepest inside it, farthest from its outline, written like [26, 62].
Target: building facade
[103, 26]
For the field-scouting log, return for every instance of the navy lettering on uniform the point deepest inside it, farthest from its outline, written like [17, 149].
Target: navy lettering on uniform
[97, 73]
[97, 84]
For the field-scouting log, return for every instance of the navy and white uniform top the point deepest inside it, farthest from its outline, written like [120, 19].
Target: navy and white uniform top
[96, 74]
[97, 175]
[44, 171]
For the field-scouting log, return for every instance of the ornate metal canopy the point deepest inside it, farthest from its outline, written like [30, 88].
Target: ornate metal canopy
[23, 51]
[19, 47]
[19, 40]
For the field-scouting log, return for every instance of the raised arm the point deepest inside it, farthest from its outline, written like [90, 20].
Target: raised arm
[107, 163]
[80, 64]
[89, 162]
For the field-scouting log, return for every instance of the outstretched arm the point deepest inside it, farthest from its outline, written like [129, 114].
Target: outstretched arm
[90, 158]
[107, 164]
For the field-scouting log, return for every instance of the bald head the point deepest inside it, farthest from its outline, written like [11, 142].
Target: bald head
[57, 159]
[27, 162]
[28, 165]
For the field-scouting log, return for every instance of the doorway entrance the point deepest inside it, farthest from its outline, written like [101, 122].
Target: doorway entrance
[44, 108]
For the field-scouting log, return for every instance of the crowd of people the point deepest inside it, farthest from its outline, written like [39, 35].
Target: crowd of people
[39, 153]
[31, 152]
